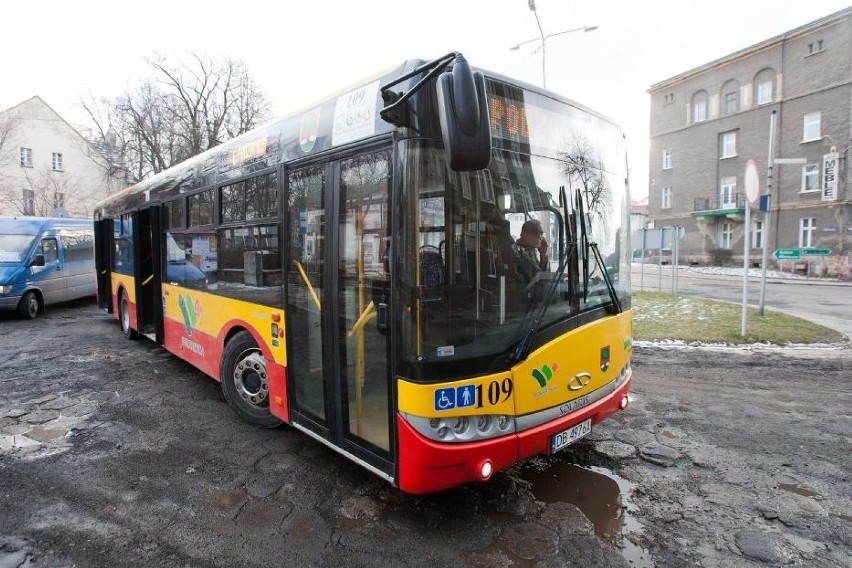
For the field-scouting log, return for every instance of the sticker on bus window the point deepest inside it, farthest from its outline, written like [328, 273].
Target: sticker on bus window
[308, 130]
[446, 351]
[355, 114]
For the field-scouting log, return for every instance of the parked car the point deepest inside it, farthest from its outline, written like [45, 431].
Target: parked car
[45, 261]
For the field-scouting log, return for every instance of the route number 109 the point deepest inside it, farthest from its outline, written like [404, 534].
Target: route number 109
[497, 391]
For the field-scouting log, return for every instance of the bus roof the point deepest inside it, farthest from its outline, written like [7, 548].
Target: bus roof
[310, 131]
[307, 132]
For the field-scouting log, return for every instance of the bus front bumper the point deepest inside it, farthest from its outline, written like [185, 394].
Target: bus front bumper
[426, 466]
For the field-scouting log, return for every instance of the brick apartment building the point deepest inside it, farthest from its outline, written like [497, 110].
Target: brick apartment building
[707, 123]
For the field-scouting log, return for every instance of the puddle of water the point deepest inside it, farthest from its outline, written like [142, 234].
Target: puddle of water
[601, 495]
[45, 435]
[799, 490]
[16, 441]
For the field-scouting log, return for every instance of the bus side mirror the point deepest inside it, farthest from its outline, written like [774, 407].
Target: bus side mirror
[463, 112]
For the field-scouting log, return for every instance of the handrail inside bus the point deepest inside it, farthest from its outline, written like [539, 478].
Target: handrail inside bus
[308, 284]
[368, 314]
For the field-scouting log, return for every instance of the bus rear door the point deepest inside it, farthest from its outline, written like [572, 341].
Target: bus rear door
[147, 272]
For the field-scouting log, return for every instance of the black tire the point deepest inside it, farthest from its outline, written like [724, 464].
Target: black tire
[28, 306]
[242, 373]
[124, 317]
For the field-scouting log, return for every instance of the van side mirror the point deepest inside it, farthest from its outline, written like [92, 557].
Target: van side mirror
[463, 112]
[38, 260]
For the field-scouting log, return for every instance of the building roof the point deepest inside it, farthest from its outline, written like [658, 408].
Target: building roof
[38, 100]
[831, 18]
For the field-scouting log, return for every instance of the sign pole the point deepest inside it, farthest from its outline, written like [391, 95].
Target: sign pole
[767, 215]
[752, 189]
[745, 267]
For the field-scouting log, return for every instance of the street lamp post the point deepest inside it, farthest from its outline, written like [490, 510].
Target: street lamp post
[543, 39]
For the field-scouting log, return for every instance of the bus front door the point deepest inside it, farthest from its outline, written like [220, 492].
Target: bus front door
[338, 289]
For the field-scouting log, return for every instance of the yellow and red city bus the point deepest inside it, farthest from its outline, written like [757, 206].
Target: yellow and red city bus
[352, 270]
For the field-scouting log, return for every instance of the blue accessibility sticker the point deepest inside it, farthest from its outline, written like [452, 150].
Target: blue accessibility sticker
[445, 399]
[455, 397]
[465, 396]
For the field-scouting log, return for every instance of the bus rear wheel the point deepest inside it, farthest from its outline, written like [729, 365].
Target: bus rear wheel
[244, 381]
[124, 316]
[28, 308]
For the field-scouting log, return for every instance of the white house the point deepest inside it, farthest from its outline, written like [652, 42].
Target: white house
[47, 168]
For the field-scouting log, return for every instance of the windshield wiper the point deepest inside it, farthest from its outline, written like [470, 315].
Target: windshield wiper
[584, 239]
[584, 242]
[533, 322]
[610, 287]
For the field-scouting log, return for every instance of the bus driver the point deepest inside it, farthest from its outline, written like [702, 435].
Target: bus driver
[532, 251]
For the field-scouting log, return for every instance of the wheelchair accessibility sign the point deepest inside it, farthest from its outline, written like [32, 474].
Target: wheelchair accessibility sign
[455, 397]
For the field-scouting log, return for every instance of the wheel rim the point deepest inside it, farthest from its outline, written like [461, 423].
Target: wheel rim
[125, 314]
[250, 378]
[32, 306]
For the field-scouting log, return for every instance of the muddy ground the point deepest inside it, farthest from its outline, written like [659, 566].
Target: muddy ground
[115, 453]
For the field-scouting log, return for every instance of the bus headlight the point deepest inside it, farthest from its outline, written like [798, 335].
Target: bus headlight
[462, 428]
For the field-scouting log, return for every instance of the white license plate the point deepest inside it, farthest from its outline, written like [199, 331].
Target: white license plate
[571, 435]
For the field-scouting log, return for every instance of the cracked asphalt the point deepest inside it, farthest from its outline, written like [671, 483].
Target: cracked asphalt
[115, 453]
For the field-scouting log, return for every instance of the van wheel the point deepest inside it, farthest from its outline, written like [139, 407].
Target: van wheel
[28, 307]
[244, 381]
[124, 316]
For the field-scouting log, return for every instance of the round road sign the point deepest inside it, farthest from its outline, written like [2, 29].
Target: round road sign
[752, 183]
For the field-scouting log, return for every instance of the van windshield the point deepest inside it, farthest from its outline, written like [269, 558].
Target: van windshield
[14, 247]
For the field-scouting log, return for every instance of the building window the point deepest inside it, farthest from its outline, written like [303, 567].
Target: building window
[757, 235]
[807, 228]
[815, 47]
[811, 127]
[667, 159]
[699, 111]
[764, 92]
[27, 157]
[58, 200]
[731, 103]
[726, 233]
[810, 177]
[728, 193]
[57, 162]
[666, 202]
[728, 145]
[29, 202]
[731, 97]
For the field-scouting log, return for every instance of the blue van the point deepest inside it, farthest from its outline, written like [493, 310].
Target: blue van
[45, 261]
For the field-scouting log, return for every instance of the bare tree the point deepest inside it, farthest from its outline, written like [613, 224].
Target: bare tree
[187, 107]
[583, 170]
[48, 193]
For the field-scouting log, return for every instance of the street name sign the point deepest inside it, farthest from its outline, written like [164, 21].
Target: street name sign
[816, 252]
[786, 254]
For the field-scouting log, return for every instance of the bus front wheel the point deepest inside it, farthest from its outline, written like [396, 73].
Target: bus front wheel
[244, 381]
[124, 316]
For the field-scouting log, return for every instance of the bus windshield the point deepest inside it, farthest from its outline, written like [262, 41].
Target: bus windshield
[14, 247]
[488, 253]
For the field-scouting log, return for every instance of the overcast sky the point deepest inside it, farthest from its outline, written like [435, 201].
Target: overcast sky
[303, 51]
